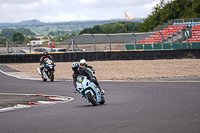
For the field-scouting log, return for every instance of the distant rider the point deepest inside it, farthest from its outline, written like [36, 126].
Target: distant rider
[44, 58]
[85, 72]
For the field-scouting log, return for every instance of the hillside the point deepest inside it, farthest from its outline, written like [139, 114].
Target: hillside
[44, 28]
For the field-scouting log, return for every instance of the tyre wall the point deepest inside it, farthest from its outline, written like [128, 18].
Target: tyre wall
[104, 56]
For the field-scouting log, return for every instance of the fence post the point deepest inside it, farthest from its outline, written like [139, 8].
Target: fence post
[109, 41]
[135, 41]
[72, 42]
[93, 40]
[162, 39]
[7, 44]
[187, 39]
[29, 45]
[51, 42]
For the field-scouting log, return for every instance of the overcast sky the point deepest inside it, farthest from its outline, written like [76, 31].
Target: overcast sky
[12, 11]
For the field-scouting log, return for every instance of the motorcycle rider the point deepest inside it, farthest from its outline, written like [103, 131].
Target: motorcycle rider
[83, 63]
[85, 72]
[43, 59]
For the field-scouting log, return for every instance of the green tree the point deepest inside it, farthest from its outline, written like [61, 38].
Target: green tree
[25, 31]
[8, 32]
[59, 32]
[176, 9]
[97, 29]
[60, 38]
[18, 37]
[51, 33]
[115, 27]
[2, 40]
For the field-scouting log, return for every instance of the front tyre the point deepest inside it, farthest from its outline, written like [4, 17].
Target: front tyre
[91, 99]
[102, 99]
[43, 76]
[43, 79]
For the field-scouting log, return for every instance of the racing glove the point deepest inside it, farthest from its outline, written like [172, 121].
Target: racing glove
[92, 79]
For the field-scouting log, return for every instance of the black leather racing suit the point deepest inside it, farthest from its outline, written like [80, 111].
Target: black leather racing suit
[42, 60]
[85, 72]
[87, 66]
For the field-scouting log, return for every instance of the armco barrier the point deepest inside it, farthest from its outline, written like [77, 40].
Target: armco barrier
[103, 56]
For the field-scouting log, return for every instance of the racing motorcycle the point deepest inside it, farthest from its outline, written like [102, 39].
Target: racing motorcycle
[48, 71]
[89, 91]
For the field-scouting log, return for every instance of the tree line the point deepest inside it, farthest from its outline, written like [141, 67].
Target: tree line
[15, 35]
[164, 11]
[114, 27]
[19, 35]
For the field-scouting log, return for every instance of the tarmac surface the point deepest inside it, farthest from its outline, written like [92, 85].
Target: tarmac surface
[147, 106]
[10, 100]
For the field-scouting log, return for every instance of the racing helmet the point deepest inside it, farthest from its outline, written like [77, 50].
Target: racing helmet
[82, 62]
[75, 67]
[45, 54]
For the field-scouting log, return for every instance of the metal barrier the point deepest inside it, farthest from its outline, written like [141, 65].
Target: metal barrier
[166, 46]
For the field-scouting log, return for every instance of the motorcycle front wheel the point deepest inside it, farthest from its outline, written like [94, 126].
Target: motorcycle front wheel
[43, 79]
[103, 99]
[91, 99]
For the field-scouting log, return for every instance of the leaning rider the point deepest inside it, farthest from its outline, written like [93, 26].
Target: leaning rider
[44, 58]
[85, 72]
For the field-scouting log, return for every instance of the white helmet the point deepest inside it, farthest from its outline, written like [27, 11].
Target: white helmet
[82, 62]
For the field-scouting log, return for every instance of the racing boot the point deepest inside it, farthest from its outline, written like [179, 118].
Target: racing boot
[75, 91]
[101, 90]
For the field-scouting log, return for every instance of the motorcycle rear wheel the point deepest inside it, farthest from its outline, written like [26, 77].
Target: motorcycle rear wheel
[51, 76]
[91, 99]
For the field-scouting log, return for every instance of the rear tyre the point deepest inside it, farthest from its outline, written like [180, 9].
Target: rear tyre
[91, 99]
[51, 76]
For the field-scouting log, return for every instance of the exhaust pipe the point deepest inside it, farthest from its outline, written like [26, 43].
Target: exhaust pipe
[39, 72]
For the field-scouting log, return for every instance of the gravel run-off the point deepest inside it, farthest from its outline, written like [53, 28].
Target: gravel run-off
[126, 69]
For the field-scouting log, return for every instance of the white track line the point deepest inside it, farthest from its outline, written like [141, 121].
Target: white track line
[146, 81]
[23, 75]
[16, 107]
[11, 75]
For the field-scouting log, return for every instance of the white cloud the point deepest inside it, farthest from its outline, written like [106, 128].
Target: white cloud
[86, 1]
[73, 10]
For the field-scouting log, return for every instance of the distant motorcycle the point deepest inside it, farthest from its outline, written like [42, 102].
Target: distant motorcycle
[48, 71]
[89, 91]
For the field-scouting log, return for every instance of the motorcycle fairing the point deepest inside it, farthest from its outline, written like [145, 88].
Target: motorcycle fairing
[85, 86]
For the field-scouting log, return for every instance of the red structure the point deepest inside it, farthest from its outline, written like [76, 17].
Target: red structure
[53, 44]
[167, 33]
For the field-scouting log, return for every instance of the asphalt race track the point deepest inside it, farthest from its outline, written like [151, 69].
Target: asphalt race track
[131, 107]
